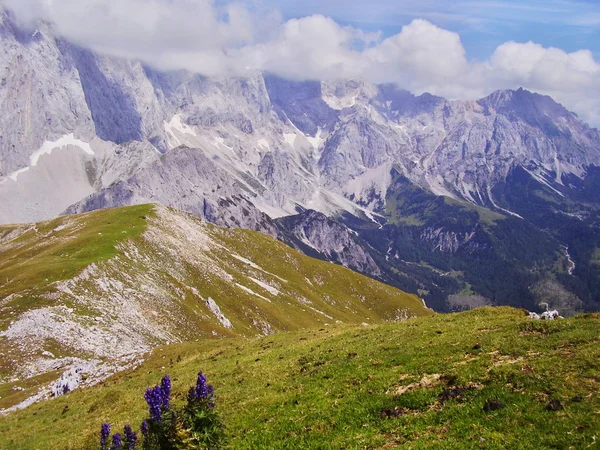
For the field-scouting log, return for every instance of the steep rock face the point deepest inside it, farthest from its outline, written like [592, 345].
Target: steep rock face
[302, 103]
[444, 240]
[118, 95]
[30, 64]
[202, 189]
[323, 146]
[329, 239]
[460, 149]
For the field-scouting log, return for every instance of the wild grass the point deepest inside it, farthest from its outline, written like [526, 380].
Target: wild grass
[309, 293]
[424, 383]
[60, 249]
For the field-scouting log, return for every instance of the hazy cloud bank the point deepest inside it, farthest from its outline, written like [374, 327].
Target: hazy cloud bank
[233, 39]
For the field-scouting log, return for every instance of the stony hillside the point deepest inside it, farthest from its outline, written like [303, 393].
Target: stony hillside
[84, 296]
[490, 378]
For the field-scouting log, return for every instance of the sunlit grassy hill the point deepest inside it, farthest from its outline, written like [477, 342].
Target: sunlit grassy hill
[98, 291]
[482, 379]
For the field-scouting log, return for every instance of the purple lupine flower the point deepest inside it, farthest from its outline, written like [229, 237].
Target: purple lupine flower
[192, 395]
[145, 428]
[154, 398]
[201, 389]
[117, 443]
[165, 386]
[211, 395]
[131, 438]
[104, 434]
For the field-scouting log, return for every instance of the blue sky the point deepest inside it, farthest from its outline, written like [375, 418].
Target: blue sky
[482, 24]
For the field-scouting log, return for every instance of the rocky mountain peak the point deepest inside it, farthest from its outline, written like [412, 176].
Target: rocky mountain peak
[533, 108]
[405, 103]
[25, 35]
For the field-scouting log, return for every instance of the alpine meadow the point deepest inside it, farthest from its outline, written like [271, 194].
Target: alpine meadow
[285, 225]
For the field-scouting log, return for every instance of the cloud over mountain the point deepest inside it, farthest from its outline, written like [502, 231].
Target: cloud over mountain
[233, 39]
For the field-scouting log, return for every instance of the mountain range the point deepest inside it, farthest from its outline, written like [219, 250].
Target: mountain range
[463, 203]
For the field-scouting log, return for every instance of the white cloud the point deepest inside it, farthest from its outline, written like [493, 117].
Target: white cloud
[421, 51]
[313, 47]
[546, 68]
[233, 39]
[570, 78]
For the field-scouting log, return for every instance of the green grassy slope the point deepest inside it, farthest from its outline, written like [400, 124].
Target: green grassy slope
[114, 283]
[32, 257]
[333, 387]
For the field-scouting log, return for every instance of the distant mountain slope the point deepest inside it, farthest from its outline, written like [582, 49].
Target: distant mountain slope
[424, 383]
[97, 291]
[82, 131]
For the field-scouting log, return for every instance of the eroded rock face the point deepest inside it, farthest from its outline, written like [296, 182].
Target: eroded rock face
[328, 238]
[187, 180]
[446, 241]
[31, 63]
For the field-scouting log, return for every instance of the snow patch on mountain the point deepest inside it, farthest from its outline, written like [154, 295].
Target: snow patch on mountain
[220, 142]
[175, 128]
[57, 180]
[47, 148]
[278, 144]
[262, 142]
[371, 186]
[65, 141]
[316, 141]
[15, 175]
[290, 138]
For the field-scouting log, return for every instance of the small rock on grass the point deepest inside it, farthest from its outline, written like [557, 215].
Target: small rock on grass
[389, 413]
[493, 405]
[554, 405]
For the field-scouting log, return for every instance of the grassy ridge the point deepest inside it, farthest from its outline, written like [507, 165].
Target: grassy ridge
[60, 249]
[333, 387]
[153, 271]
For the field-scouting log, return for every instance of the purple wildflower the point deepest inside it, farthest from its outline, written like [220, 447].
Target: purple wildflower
[131, 438]
[154, 398]
[165, 386]
[191, 395]
[117, 443]
[145, 428]
[104, 433]
[201, 389]
[211, 395]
